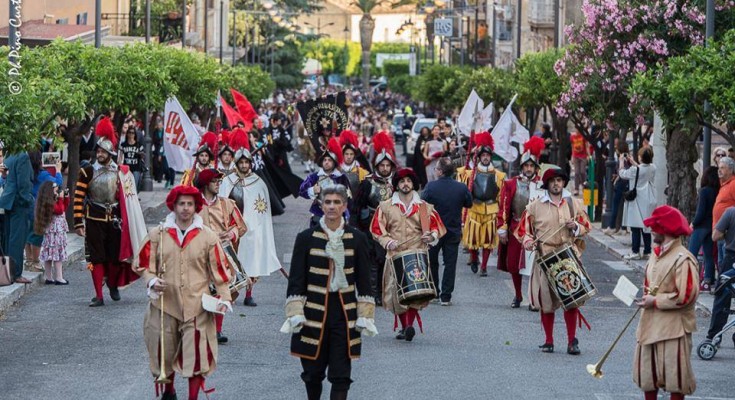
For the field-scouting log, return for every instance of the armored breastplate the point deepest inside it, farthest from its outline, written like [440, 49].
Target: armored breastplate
[103, 186]
[238, 194]
[379, 191]
[353, 178]
[484, 188]
[326, 182]
[520, 199]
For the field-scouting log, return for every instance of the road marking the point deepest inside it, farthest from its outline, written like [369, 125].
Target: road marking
[619, 265]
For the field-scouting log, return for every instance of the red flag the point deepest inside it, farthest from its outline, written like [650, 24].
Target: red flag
[245, 108]
[232, 116]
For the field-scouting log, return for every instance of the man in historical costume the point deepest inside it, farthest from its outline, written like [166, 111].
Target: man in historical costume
[516, 194]
[108, 215]
[374, 189]
[329, 298]
[226, 164]
[552, 221]
[190, 339]
[404, 222]
[328, 175]
[203, 158]
[352, 168]
[257, 247]
[223, 217]
[664, 335]
[485, 183]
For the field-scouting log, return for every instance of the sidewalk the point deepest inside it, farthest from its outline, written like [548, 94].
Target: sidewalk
[620, 245]
[149, 202]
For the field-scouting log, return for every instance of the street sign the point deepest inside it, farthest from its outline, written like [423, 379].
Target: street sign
[443, 27]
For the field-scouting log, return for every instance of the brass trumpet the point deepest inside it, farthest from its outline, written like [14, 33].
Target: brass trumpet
[596, 369]
[162, 378]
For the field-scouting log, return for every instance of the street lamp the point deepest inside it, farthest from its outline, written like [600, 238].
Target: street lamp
[319, 25]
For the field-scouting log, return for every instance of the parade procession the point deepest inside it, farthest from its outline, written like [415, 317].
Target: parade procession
[328, 199]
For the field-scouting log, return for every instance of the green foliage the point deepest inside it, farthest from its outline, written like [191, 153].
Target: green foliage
[333, 55]
[438, 84]
[394, 68]
[402, 84]
[491, 84]
[388, 48]
[537, 83]
[251, 81]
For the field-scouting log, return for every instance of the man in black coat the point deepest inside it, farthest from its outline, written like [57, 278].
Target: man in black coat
[448, 197]
[329, 298]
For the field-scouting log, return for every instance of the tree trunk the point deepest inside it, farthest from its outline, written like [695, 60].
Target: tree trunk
[73, 136]
[681, 154]
[367, 25]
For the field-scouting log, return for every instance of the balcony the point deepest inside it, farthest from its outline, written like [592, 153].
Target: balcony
[541, 13]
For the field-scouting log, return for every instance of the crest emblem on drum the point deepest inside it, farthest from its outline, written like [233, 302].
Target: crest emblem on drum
[416, 274]
[566, 277]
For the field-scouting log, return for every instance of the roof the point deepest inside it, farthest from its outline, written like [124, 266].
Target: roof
[37, 30]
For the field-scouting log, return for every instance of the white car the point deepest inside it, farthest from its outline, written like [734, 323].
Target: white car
[414, 135]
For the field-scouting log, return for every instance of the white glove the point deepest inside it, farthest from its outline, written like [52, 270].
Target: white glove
[293, 324]
[226, 303]
[152, 294]
[366, 326]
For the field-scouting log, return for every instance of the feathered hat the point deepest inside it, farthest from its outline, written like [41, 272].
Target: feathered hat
[348, 140]
[240, 144]
[207, 144]
[384, 148]
[532, 150]
[224, 142]
[484, 143]
[333, 151]
[106, 133]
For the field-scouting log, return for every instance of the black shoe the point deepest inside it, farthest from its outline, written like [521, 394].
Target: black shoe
[221, 338]
[483, 272]
[114, 294]
[516, 302]
[410, 333]
[249, 302]
[64, 282]
[49, 282]
[573, 348]
[401, 335]
[532, 308]
[547, 348]
[169, 396]
[96, 302]
[473, 266]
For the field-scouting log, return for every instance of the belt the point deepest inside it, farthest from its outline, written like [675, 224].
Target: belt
[478, 201]
[106, 206]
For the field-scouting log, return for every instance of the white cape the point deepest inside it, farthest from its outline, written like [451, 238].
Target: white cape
[136, 221]
[257, 248]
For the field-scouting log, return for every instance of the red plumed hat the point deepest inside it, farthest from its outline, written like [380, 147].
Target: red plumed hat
[667, 220]
[348, 140]
[384, 147]
[333, 151]
[208, 143]
[532, 150]
[106, 137]
[205, 177]
[484, 143]
[406, 173]
[240, 144]
[181, 190]
[224, 142]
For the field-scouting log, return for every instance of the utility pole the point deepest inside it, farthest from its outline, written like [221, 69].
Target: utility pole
[709, 32]
[206, 26]
[495, 34]
[97, 22]
[183, 24]
[147, 182]
[221, 29]
[234, 38]
[477, 32]
[557, 42]
[518, 19]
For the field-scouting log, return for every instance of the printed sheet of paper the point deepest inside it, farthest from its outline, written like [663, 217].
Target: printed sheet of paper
[209, 303]
[625, 290]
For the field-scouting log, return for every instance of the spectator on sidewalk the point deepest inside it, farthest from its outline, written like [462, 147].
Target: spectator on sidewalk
[724, 231]
[702, 225]
[579, 158]
[131, 153]
[725, 198]
[50, 222]
[619, 187]
[17, 200]
[448, 198]
[640, 178]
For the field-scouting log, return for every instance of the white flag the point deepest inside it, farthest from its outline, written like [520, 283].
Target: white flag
[487, 117]
[467, 117]
[509, 130]
[180, 137]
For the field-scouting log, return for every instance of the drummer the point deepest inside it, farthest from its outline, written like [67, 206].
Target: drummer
[222, 216]
[405, 222]
[550, 223]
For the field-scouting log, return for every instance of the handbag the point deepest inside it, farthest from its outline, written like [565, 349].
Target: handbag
[7, 267]
[630, 195]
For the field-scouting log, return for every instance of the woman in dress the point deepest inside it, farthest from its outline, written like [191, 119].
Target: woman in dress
[51, 223]
[433, 149]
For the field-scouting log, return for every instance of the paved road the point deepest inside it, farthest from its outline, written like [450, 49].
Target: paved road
[55, 347]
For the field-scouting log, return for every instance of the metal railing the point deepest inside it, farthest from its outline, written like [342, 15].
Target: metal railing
[167, 27]
[541, 13]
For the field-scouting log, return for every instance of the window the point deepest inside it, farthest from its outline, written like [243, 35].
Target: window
[62, 21]
[82, 19]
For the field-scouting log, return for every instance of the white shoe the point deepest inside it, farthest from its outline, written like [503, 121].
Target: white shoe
[633, 256]
[607, 231]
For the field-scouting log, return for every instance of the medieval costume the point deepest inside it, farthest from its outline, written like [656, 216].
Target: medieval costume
[225, 149]
[542, 225]
[323, 179]
[256, 250]
[393, 226]
[329, 303]
[187, 260]
[106, 207]
[373, 190]
[480, 221]
[354, 171]
[516, 194]
[208, 144]
[223, 217]
[664, 335]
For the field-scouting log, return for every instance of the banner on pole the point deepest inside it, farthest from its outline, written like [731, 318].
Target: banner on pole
[180, 137]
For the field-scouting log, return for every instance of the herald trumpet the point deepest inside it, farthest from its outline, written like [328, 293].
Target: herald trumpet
[162, 378]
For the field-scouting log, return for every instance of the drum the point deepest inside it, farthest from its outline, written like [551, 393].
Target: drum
[567, 277]
[413, 276]
[240, 281]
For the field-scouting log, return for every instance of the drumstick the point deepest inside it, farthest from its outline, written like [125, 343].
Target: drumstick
[547, 234]
[407, 241]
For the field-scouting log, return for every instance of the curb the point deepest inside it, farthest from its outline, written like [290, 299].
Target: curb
[603, 241]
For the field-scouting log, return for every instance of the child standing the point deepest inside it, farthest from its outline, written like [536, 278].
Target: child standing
[50, 222]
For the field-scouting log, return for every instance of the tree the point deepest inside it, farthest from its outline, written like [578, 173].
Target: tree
[437, 84]
[491, 84]
[367, 25]
[617, 40]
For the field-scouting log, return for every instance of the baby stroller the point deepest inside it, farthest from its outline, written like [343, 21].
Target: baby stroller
[708, 348]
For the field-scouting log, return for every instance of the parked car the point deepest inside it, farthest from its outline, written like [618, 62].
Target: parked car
[414, 135]
[396, 126]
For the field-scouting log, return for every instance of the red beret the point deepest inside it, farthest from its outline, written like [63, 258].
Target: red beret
[207, 176]
[181, 190]
[406, 173]
[667, 220]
